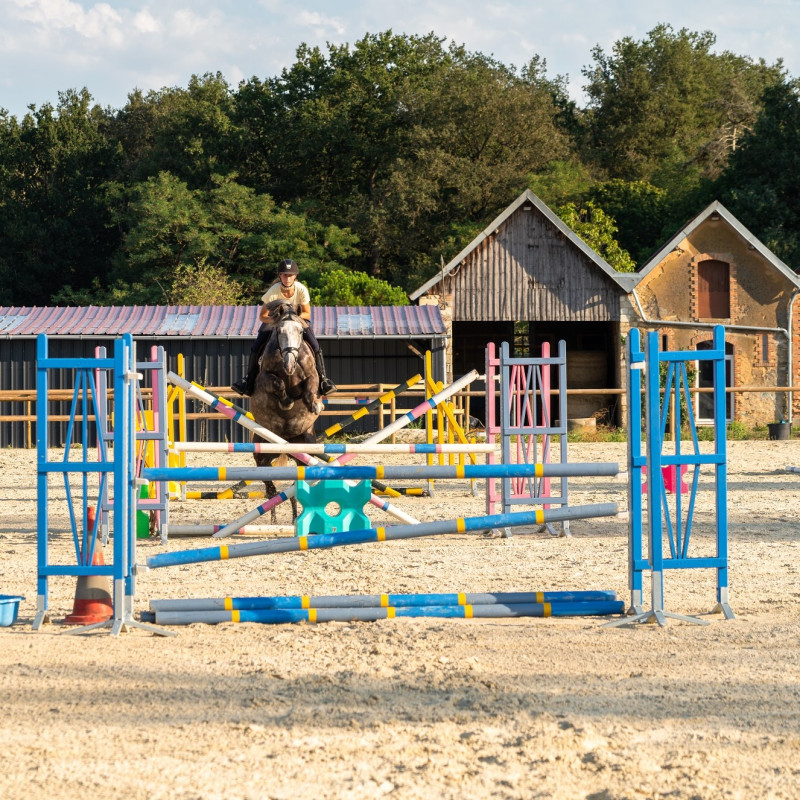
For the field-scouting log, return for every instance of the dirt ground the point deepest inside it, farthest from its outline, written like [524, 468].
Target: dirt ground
[418, 708]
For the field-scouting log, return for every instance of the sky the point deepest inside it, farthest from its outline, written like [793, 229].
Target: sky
[114, 47]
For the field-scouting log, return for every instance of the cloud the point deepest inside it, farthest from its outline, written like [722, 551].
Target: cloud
[320, 23]
[114, 46]
[53, 17]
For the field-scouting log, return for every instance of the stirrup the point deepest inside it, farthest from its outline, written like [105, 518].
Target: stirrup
[240, 387]
[327, 386]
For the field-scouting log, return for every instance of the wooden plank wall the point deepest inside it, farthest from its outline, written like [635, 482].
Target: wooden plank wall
[529, 270]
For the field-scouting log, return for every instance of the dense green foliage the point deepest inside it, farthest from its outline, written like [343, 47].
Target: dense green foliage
[373, 164]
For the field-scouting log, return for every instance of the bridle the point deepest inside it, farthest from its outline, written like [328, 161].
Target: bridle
[289, 349]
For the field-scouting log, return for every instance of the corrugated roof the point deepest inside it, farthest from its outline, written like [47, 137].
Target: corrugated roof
[215, 321]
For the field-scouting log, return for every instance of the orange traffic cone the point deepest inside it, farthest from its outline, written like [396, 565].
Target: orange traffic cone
[92, 595]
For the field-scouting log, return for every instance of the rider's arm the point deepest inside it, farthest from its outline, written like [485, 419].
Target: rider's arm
[263, 313]
[305, 311]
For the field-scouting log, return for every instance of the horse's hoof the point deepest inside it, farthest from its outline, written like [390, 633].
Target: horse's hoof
[286, 406]
[319, 407]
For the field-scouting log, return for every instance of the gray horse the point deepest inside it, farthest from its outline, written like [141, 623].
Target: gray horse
[286, 397]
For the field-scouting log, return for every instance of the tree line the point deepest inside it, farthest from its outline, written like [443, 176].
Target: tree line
[374, 164]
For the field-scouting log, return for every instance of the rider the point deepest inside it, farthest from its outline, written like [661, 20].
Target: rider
[290, 290]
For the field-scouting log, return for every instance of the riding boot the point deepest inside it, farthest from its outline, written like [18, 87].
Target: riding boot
[246, 385]
[326, 385]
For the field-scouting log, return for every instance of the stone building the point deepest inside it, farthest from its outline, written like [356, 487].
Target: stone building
[715, 271]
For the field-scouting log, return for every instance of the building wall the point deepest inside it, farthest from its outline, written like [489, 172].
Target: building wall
[528, 270]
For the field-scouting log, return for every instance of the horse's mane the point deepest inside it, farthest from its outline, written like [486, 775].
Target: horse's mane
[281, 309]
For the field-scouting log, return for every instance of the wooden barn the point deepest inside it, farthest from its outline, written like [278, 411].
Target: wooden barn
[527, 279]
[715, 271]
[362, 345]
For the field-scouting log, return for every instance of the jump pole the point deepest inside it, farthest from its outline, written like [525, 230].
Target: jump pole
[247, 530]
[386, 397]
[393, 427]
[365, 472]
[327, 540]
[490, 611]
[379, 600]
[323, 448]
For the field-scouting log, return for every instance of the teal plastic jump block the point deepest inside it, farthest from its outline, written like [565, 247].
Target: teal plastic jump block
[9, 607]
[316, 497]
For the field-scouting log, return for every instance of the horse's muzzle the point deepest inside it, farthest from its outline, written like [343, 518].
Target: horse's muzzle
[289, 360]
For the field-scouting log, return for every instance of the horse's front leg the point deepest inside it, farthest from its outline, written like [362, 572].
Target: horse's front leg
[311, 395]
[276, 386]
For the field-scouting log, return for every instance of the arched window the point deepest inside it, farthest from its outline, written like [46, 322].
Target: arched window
[713, 290]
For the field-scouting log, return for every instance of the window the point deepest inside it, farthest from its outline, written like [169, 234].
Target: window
[704, 404]
[713, 290]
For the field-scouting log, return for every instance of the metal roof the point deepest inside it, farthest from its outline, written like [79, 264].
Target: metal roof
[722, 213]
[626, 281]
[210, 322]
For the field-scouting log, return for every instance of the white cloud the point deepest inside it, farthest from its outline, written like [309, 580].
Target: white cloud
[145, 22]
[320, 22]
[100, 22]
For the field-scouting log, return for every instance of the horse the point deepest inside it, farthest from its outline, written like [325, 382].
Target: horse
[286, 398]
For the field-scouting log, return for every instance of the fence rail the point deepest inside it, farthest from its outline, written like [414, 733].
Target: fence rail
[351, 391]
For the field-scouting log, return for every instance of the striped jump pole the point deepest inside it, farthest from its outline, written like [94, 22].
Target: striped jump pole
[327, 540]
[366, 472]
[385, 433]
[246, 420]
[330, 448]
[387, 397]
[379, 600]
[490, 611]
[247, 530]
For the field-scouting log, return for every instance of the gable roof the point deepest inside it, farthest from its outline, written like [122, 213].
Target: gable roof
[626, 281]
[216, 322]
[717, 208]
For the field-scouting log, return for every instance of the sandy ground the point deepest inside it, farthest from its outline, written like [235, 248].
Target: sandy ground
[426, 708]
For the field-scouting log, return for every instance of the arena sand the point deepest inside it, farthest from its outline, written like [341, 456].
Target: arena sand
[525, 708]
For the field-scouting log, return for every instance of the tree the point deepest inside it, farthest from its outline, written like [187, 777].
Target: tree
[339, 288]
[229, 229]
[597, 229]
[397, 137]
[668, 110]
[55, 210]
[188, 132]
[638, 209]
[204, 284]
[560, 182]
[759, 185]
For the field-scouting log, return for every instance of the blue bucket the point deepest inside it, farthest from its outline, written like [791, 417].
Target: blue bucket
[9, 608]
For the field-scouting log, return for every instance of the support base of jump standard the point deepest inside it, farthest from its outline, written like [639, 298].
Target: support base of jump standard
[123, 622]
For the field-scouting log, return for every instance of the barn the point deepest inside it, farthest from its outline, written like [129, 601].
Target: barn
[362, 345]
[527, 279]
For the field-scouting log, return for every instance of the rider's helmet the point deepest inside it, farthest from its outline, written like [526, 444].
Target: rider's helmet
[288, 267]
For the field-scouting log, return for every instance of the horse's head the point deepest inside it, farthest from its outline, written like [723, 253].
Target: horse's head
[288, 325]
